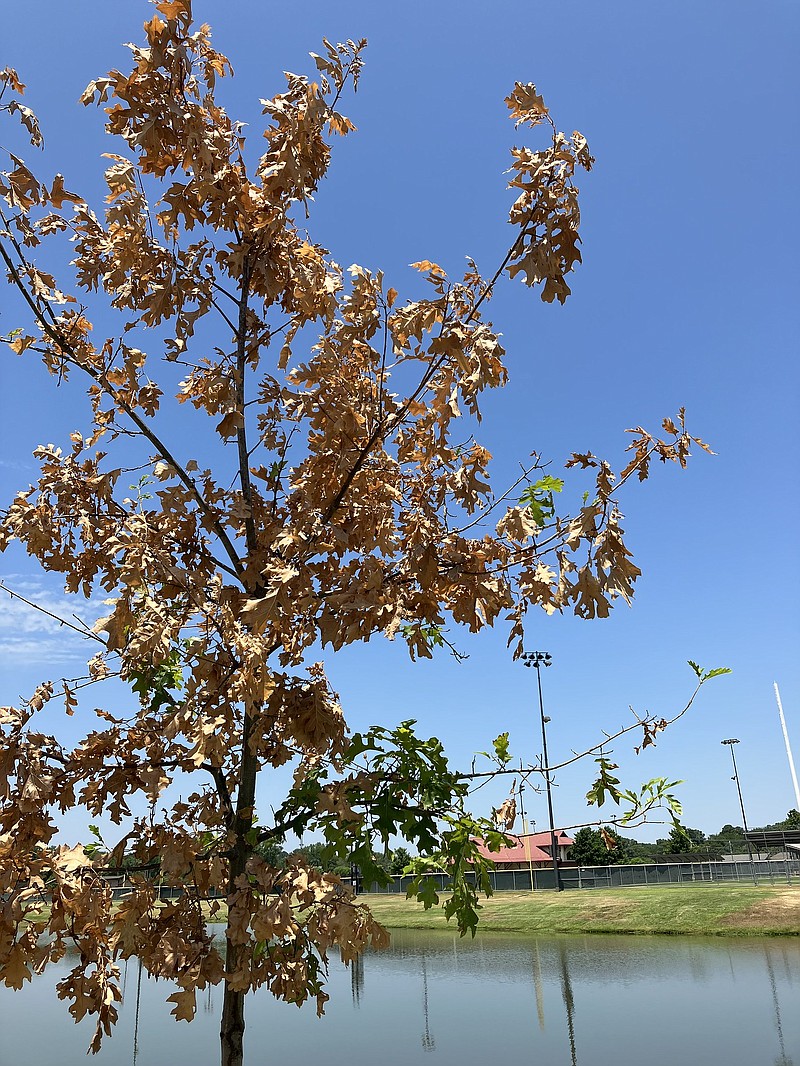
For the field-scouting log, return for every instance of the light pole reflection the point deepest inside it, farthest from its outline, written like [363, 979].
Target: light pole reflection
[569, 1002]
[782, 1059]
[136, 1015]
[537, 986]
[428, 1042]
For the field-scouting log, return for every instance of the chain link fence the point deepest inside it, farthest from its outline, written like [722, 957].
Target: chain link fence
[769, 871]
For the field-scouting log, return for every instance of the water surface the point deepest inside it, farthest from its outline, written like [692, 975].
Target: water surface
[433, 998]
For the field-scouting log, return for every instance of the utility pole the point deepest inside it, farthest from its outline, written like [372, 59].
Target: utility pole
[537, 659]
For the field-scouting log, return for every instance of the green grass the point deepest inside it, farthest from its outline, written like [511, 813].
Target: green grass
[711, 909]
[728, 909]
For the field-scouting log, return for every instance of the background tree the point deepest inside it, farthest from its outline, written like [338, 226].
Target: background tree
[272, 854]
[399, 860]
[598, 847]
[337, 492]
[730, 840]
[686, 844]
[791, 821]
[680, 840]
[322, 857]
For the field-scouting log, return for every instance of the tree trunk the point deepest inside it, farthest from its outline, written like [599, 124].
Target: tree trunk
[231, 1033]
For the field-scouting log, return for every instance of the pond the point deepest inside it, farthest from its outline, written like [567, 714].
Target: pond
[432, 998]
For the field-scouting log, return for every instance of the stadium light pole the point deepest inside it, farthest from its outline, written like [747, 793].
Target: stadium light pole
[730, 743]
[528, 855]
[538, 659]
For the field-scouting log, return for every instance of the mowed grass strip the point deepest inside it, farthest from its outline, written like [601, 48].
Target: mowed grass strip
[709, 909]
[725, 909]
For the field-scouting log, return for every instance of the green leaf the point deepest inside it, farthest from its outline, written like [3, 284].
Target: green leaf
[550, 484]
[606, 784]
[720, 670]
[500, 745]
[423, 888]
[706, 675]
[154, 683]
[538, 498]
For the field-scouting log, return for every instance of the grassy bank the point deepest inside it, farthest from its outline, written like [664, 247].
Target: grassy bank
[710, 909]
[730, 909]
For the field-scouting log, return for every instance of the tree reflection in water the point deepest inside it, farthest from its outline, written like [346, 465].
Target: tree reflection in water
[357, 979]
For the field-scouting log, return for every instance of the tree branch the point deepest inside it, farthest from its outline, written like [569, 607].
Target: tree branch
[58, 339]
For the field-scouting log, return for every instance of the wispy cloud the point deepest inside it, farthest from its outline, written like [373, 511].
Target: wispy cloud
[16, 464]
[27, 635]
[54, 651]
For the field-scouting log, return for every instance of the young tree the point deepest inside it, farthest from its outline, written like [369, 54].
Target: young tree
[334, 495]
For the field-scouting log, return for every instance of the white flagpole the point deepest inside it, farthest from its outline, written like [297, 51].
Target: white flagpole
[788, 748]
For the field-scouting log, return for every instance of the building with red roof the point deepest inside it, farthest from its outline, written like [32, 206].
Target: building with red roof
[529, 850]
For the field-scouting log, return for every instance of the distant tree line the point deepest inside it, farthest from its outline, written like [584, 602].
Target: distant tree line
[321, 857]
[591, 847]
[606, 847]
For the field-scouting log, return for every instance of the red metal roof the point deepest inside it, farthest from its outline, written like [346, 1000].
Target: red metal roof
[526, 848]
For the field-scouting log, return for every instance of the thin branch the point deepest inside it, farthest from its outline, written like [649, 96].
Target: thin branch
[61, 621]
[488, 510]
[577, 756]
[388, 425]
[241, 430]
[228, 320]
[68, 352]
[224, 291]
[222, 791]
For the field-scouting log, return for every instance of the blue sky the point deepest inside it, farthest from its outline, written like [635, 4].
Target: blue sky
[687, 296]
